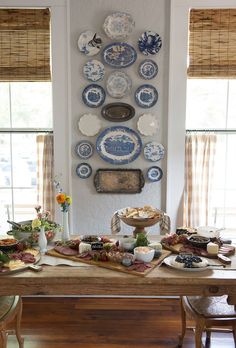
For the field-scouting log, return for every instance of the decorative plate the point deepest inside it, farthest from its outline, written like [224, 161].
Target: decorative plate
[118, 84]
[169, 261]
[89, 124]
[154, 151]
[119, 55]
[149, 43]
[154, 173]
[147, 124]
[146, 96]
[148, 69]
[118, 112]
[89, 43]
[84, 149]
[118, 25]
[83, 170]
[119, 145]
[93, 95]
[94, 70]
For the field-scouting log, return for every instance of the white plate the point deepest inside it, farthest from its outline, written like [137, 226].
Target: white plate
[118, 84]
[147, 124]
[94, 70]
[118, 25]
[170, 259]
[89, 43]
[89, 125]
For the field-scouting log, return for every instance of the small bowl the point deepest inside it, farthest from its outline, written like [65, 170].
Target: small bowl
[144, 254]
[7, 244]
[128, 243]
[199, 241]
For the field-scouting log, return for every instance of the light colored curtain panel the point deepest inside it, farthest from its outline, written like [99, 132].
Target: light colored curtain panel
[45, 173]
[199, 172]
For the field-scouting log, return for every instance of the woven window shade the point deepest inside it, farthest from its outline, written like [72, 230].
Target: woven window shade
[25, 45]
[212, 43]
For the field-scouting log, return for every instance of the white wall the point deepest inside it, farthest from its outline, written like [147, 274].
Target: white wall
[91, 211]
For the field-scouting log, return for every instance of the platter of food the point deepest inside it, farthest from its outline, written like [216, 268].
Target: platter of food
[187, 263]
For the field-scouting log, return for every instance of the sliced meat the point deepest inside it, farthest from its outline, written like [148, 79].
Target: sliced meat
[64, 250]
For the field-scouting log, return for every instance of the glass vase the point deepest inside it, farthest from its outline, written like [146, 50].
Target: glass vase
[65, 226]
[42, 241]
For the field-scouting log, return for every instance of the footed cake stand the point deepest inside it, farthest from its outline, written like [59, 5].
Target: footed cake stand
[140, 224]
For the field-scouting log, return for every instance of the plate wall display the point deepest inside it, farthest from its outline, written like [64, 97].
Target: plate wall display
[118, 25]
[119, 55]
[118, 112]
[146, 96]
[149, 43]
[119, 145]
[94, 70]
[89, 124]
[118, 84]
[83, 170]
[93, 95]
[147, 124]
[154, 173]
[148, 69]
[89, 43]
[84, 149]
[154, 151]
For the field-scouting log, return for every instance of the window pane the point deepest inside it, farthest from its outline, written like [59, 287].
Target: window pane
[4, 105]
[24, 202]
[5, 160]
[232, 105]
[5, 210]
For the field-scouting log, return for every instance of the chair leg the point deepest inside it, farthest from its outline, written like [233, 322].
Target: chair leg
[183, 324]
[18, 325]
[200, 326]
[208, 338]
[3, 339]
[234, 333]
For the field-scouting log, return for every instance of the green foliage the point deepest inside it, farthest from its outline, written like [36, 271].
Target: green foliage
[141, 240]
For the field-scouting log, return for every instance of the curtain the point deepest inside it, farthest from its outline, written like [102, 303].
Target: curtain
[199, 170]
[45, 175]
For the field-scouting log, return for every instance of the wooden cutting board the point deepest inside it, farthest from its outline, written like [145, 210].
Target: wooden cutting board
[113, 265]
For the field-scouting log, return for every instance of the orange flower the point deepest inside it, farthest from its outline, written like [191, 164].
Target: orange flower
[61, 198]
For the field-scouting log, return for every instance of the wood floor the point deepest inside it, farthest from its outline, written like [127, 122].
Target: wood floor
[105, 323]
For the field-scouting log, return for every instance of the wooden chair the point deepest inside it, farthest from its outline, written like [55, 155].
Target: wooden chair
[10, 311]
[208, 313]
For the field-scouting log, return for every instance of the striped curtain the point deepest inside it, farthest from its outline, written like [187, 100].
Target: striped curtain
[45, 173]
[199, 170]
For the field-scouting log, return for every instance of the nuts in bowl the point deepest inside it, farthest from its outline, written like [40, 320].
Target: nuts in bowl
[199, 241]
[144, 254]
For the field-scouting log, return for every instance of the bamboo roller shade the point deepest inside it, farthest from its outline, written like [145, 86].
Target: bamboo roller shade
[212, 43]
[25, 45]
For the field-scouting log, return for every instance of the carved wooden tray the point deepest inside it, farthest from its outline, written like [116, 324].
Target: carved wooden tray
[118, 112]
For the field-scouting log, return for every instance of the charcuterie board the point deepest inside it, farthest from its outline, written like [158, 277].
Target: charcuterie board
[17, 265]
[115, 266]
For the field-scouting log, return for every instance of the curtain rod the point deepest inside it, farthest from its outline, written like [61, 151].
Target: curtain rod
[29, 130]
[226, 131]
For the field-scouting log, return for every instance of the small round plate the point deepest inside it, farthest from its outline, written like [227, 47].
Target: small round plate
[83, 170]
[149, 43]
[148, 69]
[93, 95]
[154, 173]
[94, 70]
[169, 261]
[118, 84]
[84, 149]
[147, 124]
[89, 43]
[118, 25]
[154, 151]
[89, 125]
[146, 96]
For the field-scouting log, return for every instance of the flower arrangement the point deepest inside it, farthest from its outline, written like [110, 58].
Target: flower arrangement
[42, 219]
[62, 198]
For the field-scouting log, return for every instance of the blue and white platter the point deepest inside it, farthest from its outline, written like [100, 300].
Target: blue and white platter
[154, 151]
[118, 84]
[93, 95]
[154, 173]
[146, 96]
[148, 69]
[83, 170]
[94, 70]
[89, 43]
[118, 25]
[119, 145]
[84, 149]
[119, 55]
[149, 43]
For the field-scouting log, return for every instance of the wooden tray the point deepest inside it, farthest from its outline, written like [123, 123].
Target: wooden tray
[25, 267]
[113, 265]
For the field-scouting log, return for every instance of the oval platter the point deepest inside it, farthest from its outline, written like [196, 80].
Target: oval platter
[119, 55]
[118, 25]
[118, 112]
[119, 145]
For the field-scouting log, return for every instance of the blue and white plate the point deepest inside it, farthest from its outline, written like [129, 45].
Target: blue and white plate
[94, 70]
[119, 55]
[148, 69]
[84, 149]
[89, 43]
[118, 25]
[119, 145]
[154, 173]
[154, 151]
[83, 170]
[118, 84]
[149, 43]
[93, 95]
[146, 96]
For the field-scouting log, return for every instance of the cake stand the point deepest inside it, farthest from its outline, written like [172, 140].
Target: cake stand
[140, 223]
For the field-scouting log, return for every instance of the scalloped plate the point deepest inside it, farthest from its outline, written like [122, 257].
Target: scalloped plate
[118, 25]
[118, 84]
